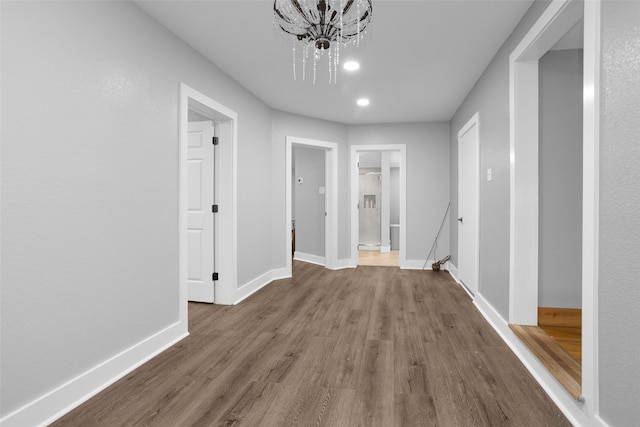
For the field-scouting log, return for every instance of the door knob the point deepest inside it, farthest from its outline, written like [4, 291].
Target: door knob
[460, 219]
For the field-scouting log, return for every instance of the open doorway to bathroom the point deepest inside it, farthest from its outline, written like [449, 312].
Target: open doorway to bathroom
[377, 192]
[378, 202]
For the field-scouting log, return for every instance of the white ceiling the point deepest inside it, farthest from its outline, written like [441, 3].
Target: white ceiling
[419, 59]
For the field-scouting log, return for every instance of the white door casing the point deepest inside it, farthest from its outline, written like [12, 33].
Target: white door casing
[331, 199]
[557, 19]
[200, 218]
[468, 209]
[226, 189]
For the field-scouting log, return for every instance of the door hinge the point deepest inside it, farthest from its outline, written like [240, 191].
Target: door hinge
[215, 140]
[214, 277]
[214, 208]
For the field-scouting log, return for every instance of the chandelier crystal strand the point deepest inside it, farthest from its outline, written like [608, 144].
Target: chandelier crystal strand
[358, 18]
[315, 60]
[330, 67]
[321, 25]
[335, 63]
[294, 60]
[304, 60]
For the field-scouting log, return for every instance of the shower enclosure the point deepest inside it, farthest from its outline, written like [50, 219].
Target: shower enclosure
[369, 202]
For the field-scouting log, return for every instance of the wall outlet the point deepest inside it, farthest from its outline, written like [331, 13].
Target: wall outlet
[321, 190]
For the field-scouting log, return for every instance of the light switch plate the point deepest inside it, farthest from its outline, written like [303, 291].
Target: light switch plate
[489, 177]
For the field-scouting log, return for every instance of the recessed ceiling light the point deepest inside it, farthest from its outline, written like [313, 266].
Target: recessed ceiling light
[363, 102]
[351, 66]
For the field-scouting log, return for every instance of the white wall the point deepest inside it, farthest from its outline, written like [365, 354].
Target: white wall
[560, 180]
[427, 178]
[309, 204]
[90, 186]
[619, 290]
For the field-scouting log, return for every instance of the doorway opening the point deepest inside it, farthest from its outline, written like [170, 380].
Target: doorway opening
[308, 204]
[201, 108]
[312, 152]
[378, 202]
[533, 220]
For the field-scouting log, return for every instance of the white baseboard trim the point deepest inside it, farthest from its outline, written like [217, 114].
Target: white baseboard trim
[453, 271]
[368, 248]
[385, 248]
[253, 286]
[48, 408]
[415, 264]
[569, 407]
[279, 273]
[344, 263]
[313, 259]
[602, 423]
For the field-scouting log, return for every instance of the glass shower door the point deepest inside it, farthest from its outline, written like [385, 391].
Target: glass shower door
[369, 200]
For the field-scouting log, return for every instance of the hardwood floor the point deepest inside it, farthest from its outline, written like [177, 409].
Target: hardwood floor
[557, 343]
[377, 258]
[564, 325]
[564, 367]
[371, 346]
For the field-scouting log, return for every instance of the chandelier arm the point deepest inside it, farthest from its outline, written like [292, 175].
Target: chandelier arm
[322, 11]
[301, 11]
[347, 6]
[288, 20]
[302, 36]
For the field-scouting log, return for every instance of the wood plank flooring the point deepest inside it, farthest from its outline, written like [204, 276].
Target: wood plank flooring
[371, 346]
[380, 259]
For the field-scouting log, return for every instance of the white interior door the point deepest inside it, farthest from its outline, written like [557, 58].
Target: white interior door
[200, 218]
[468, 175]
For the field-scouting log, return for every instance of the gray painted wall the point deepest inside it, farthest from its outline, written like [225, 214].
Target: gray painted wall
[490, 97]
[427, 183]
[288, 124]
[560, 180]
[395, 196]
[619, 275]
[309, 204]
[90, 187]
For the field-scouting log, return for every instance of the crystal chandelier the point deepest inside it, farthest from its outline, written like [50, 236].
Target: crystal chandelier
[322, 26]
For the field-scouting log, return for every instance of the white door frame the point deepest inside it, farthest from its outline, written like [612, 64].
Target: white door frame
[402, 148]
[331, 198]
[557, 19]
[225, 171]
[473, 121]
